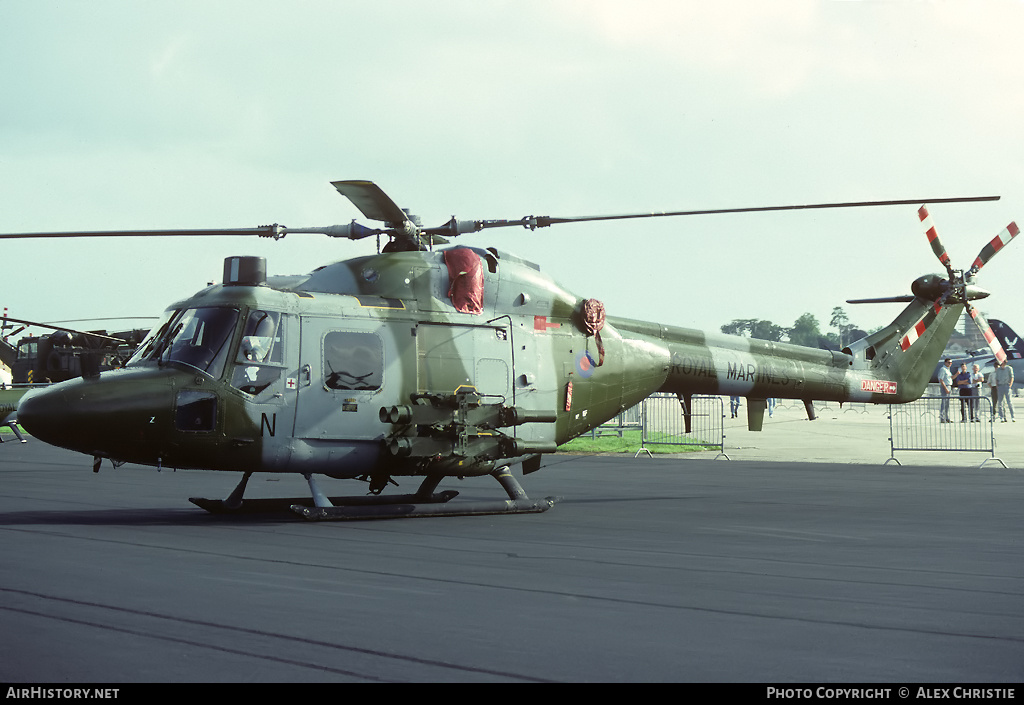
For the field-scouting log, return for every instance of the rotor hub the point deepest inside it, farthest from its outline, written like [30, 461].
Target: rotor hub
[930, 287]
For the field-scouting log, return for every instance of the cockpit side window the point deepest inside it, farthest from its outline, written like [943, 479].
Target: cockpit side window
[261, 340]
[258, 364]
[353, 361]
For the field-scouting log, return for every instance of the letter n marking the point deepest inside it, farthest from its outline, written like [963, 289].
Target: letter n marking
[268, 426]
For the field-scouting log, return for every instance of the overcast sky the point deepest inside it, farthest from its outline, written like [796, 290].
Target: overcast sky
[182, 114]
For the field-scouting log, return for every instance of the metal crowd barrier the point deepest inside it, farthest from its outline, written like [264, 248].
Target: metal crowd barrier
[923, 425]
[13, 426]
[631, 418]
[665, 421]
[10, 394]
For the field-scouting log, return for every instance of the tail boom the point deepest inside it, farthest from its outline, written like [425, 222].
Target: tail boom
[890, 366]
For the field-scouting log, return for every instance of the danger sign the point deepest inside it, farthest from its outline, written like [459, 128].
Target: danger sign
[879, 386]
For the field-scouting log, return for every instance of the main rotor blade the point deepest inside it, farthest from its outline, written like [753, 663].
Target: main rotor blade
[99, 336]
[371, 201]
[376, 205]
[534, 222]
[109, 318]
[997, 243]
[351, 231]
[262, 231]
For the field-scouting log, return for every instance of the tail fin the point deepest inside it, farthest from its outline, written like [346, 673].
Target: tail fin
[1010, 341]
[896, 363]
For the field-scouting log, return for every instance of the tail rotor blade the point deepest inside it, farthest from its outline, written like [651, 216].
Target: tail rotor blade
[988, 334]
[998, 242]
[917, 330]
[933, 237]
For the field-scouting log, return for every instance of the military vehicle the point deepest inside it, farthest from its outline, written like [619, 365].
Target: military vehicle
[432, 363]
[65, 353]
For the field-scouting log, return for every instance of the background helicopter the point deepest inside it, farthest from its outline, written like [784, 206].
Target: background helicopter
[985, 358]
[434, 364]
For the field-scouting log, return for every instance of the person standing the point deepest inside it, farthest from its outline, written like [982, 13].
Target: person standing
[994, 389]
[946, 384]
[962, 381]
[977, 380]
[1004, 380]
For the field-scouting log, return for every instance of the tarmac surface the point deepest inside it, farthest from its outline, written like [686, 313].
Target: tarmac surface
[774, 567]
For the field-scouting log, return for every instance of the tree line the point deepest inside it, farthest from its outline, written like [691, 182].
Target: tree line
[805, 330]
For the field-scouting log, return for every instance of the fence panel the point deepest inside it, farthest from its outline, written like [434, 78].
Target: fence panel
[630, 419]
[935, 423]
[665, 422]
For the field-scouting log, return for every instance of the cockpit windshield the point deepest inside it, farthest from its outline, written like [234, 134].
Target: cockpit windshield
[197, 337]
[156, 333]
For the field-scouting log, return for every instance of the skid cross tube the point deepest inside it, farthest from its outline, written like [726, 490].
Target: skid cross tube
[517, 503]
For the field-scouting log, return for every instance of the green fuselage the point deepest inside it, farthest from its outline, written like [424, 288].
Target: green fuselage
[292, 374]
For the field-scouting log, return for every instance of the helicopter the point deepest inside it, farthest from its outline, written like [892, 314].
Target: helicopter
[432, 362]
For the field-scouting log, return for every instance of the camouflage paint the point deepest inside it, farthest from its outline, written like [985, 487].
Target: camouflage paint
[525, 351]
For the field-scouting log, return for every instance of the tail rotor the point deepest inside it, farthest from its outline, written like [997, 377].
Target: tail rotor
[938, 292]
[960, 282]
[958, 288]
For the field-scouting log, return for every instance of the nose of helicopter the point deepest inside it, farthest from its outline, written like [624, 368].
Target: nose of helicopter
[43, 413]
[110, 416]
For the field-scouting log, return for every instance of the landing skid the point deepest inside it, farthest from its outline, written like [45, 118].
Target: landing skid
[517, 503]
[260, 506]
[424, 503]
[398, 511]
